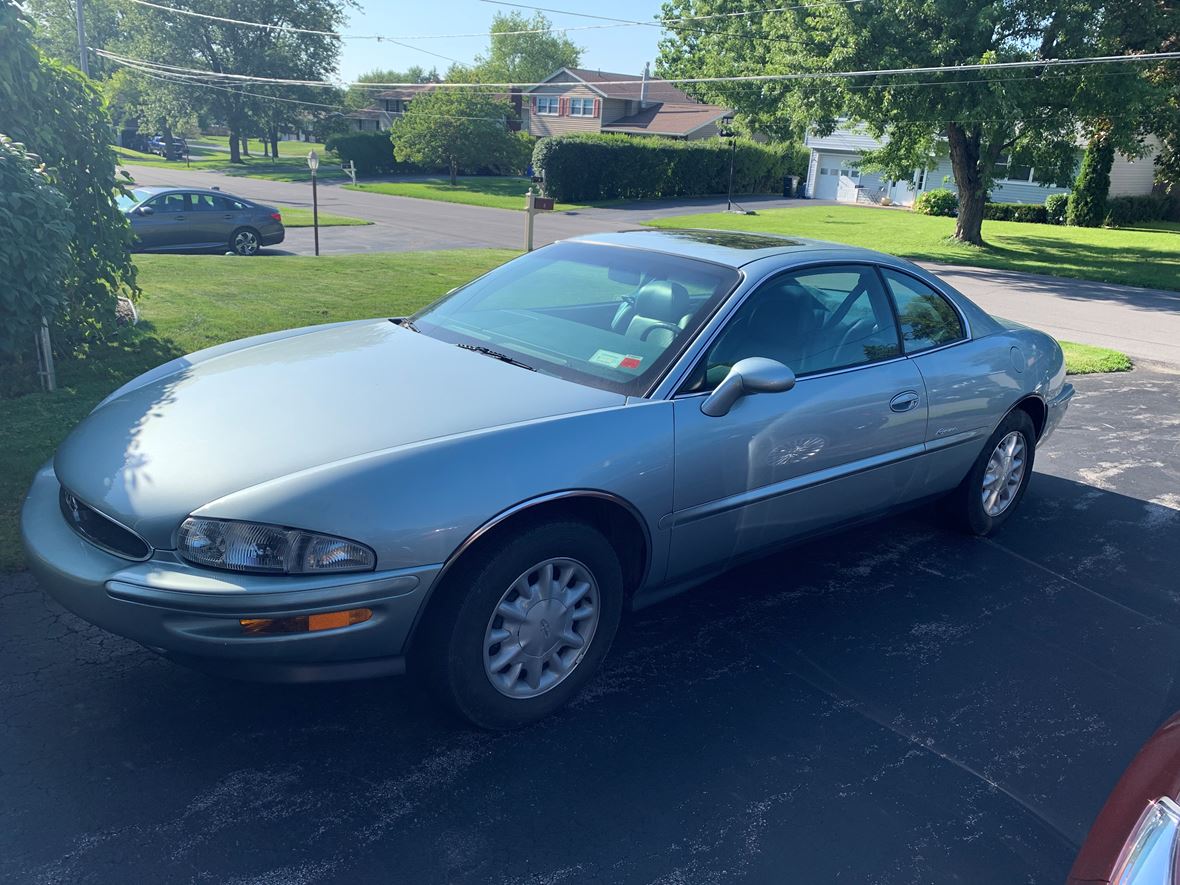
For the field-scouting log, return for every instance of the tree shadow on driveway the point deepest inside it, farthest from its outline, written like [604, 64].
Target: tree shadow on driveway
[893, 704]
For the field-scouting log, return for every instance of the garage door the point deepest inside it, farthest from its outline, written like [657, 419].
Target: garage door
[827, 181]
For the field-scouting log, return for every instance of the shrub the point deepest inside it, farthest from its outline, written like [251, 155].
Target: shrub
[599, 166]
[939, 201]
[1056, 206]
[1121, 211]
[1028, 212]
[1087, 208]
[371, 151]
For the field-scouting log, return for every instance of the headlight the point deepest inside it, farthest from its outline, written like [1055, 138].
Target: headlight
[272, 549]
[1149, 857]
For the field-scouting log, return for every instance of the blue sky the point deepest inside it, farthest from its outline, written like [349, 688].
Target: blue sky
[622, 49]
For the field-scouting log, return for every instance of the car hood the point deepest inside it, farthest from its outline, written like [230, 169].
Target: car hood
[206, 426]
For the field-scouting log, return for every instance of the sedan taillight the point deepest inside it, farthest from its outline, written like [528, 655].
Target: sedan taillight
[277, 216]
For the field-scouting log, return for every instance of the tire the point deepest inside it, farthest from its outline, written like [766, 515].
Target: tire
[980, 511]
[458, 652]
[245, 241]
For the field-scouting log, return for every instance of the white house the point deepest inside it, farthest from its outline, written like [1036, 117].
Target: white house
[834, 173]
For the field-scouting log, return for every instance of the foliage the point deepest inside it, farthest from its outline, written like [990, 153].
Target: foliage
[1124, 211]
[1056, 207]
[35, 233]
[1086, 359]
[371, 151]
[981, 117]
[1087, 208]
[599, 166]
[939, 201]
[363, 97]
[515, 57]
[457, 129]
[58, 115]
[1033, 213]
[1147, 256]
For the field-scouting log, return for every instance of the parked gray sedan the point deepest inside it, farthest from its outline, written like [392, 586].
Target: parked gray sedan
[482, 488]
[170, 219]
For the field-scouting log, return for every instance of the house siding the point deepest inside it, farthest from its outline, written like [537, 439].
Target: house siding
[1129, 178]
[546, 124]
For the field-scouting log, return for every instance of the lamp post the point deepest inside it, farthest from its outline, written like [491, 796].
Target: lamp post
[727, 132]
[313, 163]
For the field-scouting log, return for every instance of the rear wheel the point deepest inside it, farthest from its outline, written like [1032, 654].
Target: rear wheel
[245, 241]
[524, 625]
[994, 487]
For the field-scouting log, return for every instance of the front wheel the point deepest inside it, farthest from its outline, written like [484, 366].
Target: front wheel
[993, 488]
[524, 626]
[245, 241]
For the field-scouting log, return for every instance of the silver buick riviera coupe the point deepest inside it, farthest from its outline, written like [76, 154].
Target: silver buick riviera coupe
[478, 491]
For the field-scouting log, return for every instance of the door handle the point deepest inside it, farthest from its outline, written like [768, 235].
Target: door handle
[904, 402]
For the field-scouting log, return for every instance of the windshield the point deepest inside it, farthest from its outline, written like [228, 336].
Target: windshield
[132, 199]
[607, 316]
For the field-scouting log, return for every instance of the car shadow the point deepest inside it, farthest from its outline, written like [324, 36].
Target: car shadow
[961, 706]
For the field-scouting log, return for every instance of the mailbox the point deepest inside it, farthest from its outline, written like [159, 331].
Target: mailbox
[545, 203]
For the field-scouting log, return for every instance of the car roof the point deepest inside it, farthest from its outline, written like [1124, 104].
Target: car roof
[728, 247]
[157, 189]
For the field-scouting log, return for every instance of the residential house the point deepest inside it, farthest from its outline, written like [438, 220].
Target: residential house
[834, 173]
[580, 100]
[389, 105]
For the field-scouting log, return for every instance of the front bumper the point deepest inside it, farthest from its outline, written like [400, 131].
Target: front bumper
[192, 614]
[1055, 411]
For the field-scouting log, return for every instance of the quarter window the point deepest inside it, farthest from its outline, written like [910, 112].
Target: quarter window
[812, 321]
[547, 104]
[927, 319]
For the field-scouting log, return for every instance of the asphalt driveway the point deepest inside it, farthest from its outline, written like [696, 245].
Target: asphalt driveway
[897, 704]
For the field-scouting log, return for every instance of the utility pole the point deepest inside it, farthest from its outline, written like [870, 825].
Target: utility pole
[83, 58]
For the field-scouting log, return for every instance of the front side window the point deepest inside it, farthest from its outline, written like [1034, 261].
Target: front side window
[547, 104]
[605, 316]
[169, 203]
[811, 321]
[132, 199]
[927, 319]
[581, 107]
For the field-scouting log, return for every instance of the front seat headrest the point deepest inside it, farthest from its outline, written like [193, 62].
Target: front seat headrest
[663, 300]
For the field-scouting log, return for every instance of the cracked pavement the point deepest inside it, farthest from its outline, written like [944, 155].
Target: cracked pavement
[893, 704]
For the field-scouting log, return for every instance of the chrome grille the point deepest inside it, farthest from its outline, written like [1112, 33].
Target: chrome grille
[102, 531]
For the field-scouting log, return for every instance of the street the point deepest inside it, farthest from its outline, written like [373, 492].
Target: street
[1141, 322]
[894, 704]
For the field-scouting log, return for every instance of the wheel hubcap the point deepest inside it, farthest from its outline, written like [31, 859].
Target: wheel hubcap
[1004, 473]
[247, 243]
[541, 628]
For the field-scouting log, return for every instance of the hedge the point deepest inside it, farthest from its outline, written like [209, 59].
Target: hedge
[1121, 211]
[1035, 213]
[592, 166]
[939, 201]
[371, 151]
[1056, 208]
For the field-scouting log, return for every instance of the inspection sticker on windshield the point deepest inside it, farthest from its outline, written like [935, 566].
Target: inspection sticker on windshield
[616, 360]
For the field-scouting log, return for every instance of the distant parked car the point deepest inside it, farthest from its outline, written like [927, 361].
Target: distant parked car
[481, 488]
[168, 219]
[1136, 837]
[174, 148]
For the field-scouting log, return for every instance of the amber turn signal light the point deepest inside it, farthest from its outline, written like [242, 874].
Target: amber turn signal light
[305, 623]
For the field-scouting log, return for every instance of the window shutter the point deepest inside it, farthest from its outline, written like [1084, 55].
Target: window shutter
[534, 104]
[597, 106]
[563, 107]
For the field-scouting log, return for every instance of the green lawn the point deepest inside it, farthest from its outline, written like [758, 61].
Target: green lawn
[195, 301]
[291, 164]
[1145, 256]
[297, 216]
[1086, 359]
[498, 192]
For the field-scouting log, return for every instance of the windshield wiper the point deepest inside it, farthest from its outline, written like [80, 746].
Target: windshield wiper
[495, 354]
[408, 324]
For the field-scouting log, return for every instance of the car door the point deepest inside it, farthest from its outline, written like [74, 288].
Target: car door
[163, 226]
[212, 219]
[843, 443]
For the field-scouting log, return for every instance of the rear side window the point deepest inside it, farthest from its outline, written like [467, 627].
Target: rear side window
[927, 319]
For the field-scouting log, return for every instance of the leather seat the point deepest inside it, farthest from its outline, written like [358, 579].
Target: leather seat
[660, 308]
[781, 326]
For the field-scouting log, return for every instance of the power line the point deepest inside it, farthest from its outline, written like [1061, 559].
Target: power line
[743, 78]
[664, 22]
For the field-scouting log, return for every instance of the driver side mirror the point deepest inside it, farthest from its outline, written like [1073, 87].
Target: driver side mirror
[145, 210]
[754, 374]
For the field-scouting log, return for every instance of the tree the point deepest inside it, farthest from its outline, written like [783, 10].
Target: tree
[1029, 116]
[58, 115]
[458, 129]
[362, 97]
[515, 57]
[1087, 203]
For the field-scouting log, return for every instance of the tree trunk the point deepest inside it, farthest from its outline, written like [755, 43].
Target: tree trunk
[245, 146]
[235, 155]
[274, 144]
[965, 155]
[454, 172]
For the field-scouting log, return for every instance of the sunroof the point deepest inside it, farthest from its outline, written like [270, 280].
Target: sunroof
[732, 239]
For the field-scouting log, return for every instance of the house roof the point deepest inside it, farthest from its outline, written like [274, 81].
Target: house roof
[367, 114]
[407, 92]
[657, 90]
[668, 119]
